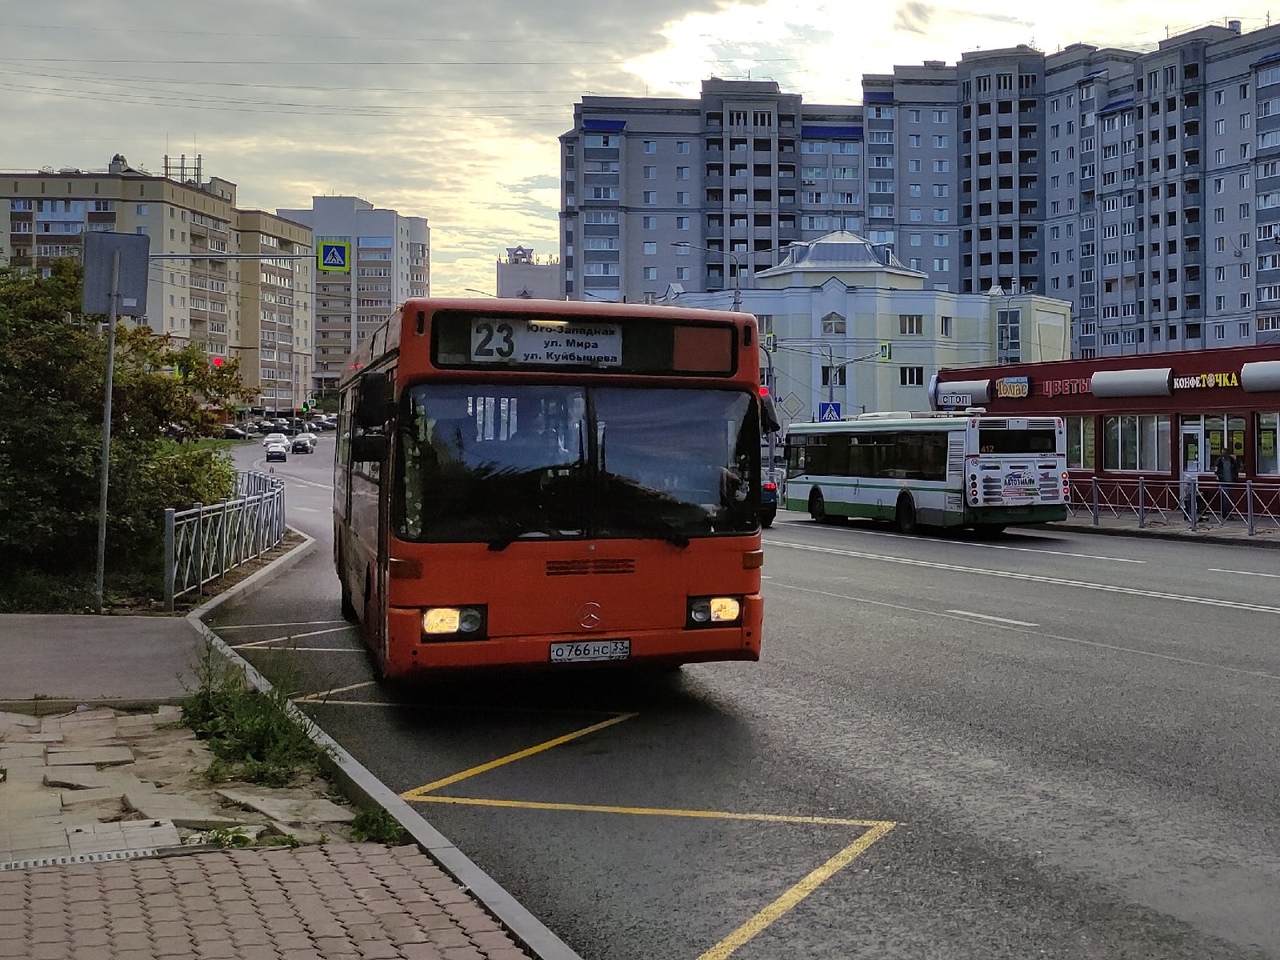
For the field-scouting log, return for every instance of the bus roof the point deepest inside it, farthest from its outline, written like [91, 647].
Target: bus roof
[924, 422]
[386, 338]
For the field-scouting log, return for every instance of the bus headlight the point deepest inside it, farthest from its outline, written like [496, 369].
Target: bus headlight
[714, 611]
[467, 622]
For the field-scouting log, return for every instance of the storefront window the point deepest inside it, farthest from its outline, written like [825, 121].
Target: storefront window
[1135, 442]
[1080, 443]
[1268, 423]
[1215, 426]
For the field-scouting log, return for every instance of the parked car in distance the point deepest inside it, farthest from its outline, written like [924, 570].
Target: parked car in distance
[271, 438]
[315, 426]
[304, 443]
[768, 502]
[232, 432]
[277, 451]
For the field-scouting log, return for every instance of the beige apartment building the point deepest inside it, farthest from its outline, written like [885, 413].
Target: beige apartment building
[236, 281]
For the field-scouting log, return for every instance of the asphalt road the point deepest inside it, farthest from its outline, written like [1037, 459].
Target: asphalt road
[1048, 745]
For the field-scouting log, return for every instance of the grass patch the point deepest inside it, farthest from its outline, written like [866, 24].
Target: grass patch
[251, 734]
[378, 826]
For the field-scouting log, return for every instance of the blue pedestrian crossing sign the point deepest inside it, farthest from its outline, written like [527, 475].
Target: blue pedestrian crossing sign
[829, 412]
[333, 256]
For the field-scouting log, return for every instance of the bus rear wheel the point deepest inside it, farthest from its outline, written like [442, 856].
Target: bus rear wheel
[904, 515]
[817, 507]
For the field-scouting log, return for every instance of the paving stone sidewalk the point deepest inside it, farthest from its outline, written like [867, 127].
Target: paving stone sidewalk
[97, 811]
[335, 902]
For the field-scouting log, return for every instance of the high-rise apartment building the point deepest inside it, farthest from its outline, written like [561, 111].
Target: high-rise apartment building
[238, 282]
[390, 262]
[1142, 187]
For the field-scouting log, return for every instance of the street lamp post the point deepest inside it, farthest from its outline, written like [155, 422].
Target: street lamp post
[737, 269]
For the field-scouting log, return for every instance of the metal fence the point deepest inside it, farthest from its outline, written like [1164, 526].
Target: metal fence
[1191, 501]
[203, 543]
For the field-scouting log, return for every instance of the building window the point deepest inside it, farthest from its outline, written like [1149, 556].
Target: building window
[651, 197]
[911, 324]
[650, 146]
[833, 324]
[833, 377]
[911, 376]
[944, 326]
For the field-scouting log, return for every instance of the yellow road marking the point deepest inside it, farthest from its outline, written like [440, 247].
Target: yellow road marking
[418, 792]
[787, 902]
[653, 811]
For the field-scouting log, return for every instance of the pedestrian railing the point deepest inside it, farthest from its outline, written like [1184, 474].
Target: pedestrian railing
[1191, 500]
[203, 543]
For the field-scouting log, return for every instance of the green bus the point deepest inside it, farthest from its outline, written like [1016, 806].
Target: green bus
[931, 469]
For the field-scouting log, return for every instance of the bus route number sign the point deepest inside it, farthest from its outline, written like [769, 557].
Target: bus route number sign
[515, 342]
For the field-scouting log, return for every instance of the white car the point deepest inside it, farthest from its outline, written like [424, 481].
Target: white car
[271, 438]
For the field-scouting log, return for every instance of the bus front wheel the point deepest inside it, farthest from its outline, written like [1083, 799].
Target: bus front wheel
[817, 506]
[349, 612]
[905, 514]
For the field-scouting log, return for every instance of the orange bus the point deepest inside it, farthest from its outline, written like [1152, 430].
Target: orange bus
[523, 482]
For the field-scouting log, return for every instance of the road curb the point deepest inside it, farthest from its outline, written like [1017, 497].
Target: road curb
[368, 791]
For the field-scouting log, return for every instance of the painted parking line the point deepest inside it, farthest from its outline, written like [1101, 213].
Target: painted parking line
[419, 793]
[290, 637]
[1246, 573]
[872, 830]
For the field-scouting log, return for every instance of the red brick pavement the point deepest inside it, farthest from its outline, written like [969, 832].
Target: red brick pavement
[334, 902]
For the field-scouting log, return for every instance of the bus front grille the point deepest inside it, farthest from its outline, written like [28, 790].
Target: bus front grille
[584, 568]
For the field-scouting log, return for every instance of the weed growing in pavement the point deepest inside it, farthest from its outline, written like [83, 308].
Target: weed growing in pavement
[236, 839]
[377, 826]
[251, 735]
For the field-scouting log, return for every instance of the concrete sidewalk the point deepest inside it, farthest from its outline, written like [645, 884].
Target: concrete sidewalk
[75, 885]
[1234, 532]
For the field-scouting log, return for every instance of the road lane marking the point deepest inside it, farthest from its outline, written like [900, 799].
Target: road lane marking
[987, 616]
[322, 695]
[788, 901]
[287, 623]
[418, 793]
[1033, 578]
[1246, 573]
[250, 644]
[985, 546]
[1046, 636]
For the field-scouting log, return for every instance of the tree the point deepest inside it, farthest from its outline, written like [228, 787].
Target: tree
[52, 378]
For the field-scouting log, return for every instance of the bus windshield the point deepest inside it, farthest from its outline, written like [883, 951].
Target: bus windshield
[499, 463]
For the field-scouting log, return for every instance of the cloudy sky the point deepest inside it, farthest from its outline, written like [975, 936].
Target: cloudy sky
[451, 111]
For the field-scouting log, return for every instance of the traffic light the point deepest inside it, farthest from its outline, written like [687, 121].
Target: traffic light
[769, 422]
[306, 406]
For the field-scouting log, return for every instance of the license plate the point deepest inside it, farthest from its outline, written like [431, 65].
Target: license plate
[587, 651]
[1017, 510]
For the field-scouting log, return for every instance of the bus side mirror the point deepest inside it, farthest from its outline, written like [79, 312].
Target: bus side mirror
[376, 406]
[370, 448]
[769, 422]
